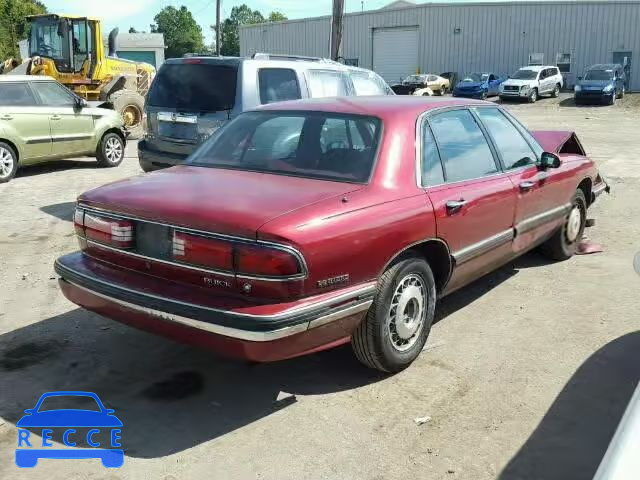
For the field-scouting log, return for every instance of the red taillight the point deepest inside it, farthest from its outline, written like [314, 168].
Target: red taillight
[197, 250]
[265, 261]
[110, 231]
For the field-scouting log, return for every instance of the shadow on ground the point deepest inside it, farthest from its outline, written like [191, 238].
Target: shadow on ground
[573, 436]
[63, 211]
[171, 397]
[56, 166]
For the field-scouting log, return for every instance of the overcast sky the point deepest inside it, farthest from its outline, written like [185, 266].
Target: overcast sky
[140, 13]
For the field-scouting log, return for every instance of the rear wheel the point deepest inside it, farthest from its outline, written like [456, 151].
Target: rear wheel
[397, 325]
[564, 243]
[111, 150]
[130, 105]
[8, 162]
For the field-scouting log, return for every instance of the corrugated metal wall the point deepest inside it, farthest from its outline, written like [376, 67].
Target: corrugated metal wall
[496, 37]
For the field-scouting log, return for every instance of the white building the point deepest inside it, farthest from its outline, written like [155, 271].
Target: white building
[404, 38]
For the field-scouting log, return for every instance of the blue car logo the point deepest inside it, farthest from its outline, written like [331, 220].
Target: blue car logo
[40, 418]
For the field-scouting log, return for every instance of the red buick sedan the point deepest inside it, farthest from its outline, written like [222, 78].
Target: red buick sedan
[309, 224]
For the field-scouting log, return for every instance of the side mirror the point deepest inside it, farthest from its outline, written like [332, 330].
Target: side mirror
[81, 103]
[29, 411]
[109, 411]
[579, 78]
[548, 160]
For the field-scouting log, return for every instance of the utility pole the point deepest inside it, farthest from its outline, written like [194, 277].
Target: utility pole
[218, 33]
[336, 28]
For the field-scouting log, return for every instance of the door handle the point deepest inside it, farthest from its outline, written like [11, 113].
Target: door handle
[6, 117]
[527, 186]
[55, 117]
[454, 206]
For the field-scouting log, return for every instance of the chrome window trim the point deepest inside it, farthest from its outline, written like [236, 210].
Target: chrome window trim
[286, 248]
[476, 249]
[354, 295]
[234, 332]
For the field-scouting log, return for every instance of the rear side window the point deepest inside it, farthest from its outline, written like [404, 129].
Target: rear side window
[319, 145]
[463, 147]
[194, 87]
[278, 84]
[365, 84]
[16, 95]
[325, 83]
[432, 173]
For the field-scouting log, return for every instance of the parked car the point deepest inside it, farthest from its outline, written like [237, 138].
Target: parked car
[265, 248]
[478, 85]
[41, 120]
[185, 105]
[601, 83]
[529, 83]
[425, 84]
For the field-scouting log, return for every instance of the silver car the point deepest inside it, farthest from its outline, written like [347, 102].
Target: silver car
[192, 97]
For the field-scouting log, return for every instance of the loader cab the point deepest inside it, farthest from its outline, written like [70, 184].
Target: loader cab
[70, 42]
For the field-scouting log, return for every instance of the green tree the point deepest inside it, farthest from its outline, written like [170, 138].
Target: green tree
[14, 25]
[276, 17]
[241, 15]
[181, 32]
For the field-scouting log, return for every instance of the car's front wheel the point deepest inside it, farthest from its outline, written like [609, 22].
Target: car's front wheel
[111, 150]
[8, 162]
[533, 96]
[556, 91]
[565, 241]
[397, 325]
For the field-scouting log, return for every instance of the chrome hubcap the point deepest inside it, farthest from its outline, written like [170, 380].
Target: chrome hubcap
[574, 223]
[113, 150]
[6, 162]
[406, 316]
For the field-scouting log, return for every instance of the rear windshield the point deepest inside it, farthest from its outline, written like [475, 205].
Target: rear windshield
[319, 145]
[197, 87]
[599, 75]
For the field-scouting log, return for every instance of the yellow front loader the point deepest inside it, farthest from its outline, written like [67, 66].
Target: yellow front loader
[71, 50]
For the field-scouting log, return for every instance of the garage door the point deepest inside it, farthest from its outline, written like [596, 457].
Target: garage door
[138, 56]
[395, 52]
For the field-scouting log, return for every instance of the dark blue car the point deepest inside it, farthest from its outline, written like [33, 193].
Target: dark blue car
[94, 416]
[602, 83]
[478, 85]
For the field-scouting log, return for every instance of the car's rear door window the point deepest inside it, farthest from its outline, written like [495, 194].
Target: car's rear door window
[327, 83]
[321, 145]
[514, 150]
[16, 95]
[463, 147]
[432, 173]
[278, 84]
[194, 87]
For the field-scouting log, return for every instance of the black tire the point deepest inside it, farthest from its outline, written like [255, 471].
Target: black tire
[8, 162]
[560, 246]
[129, 103]
[110, 152]
[556, 91]
[613, 99]
[483, 96]
[621, 92]
[373, 342]
[533, 96]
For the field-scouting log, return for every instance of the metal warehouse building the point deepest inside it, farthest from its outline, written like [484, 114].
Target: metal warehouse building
[404, 38]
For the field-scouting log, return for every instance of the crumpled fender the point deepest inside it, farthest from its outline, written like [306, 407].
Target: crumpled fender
[555, 141]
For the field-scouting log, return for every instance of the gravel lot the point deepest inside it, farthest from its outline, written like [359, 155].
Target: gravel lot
[528, 373]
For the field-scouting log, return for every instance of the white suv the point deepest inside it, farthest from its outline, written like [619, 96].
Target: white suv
[532, 82]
